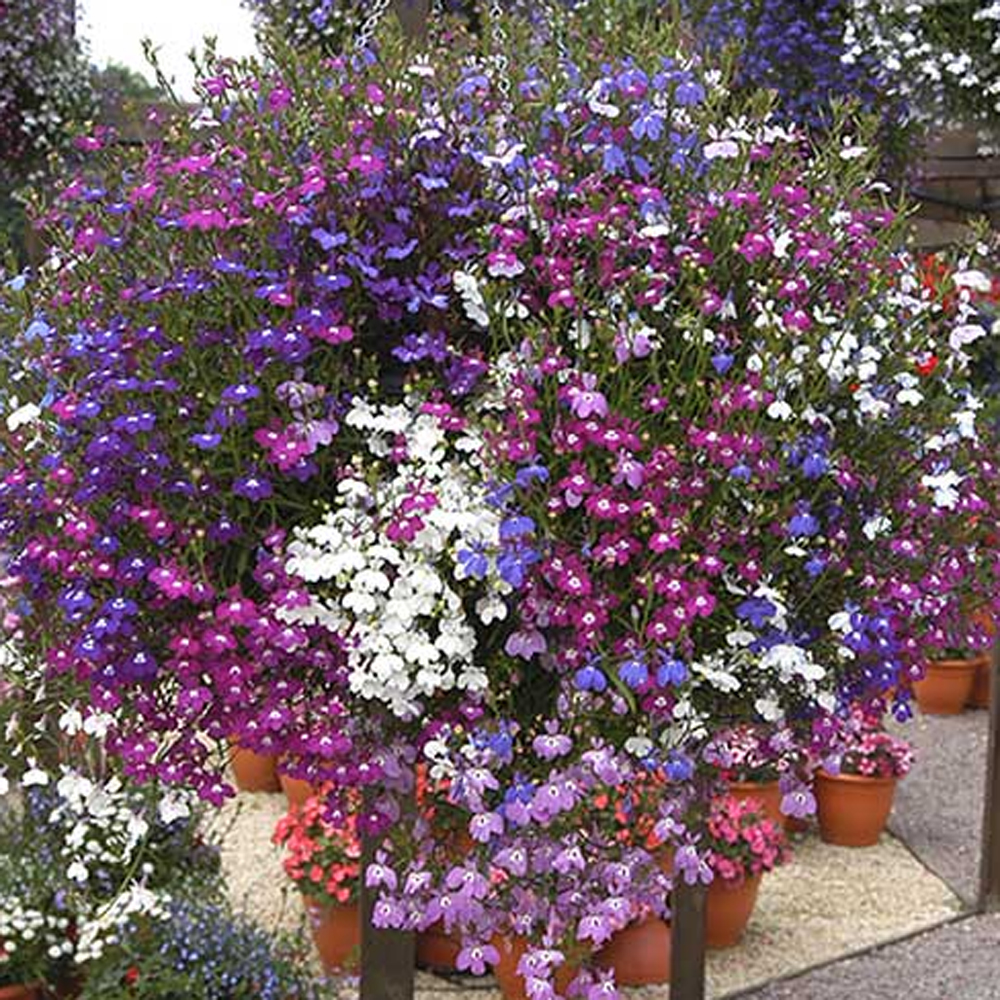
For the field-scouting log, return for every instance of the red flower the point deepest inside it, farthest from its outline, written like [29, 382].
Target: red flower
[131, 976]
[928, 365]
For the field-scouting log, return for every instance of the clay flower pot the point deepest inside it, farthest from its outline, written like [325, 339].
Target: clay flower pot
[767, 793]
[297, 790]
[510, 980]
[728, 907]
[336, 932]
[437, 949]
[26, 991]
[253, 772]
[945, 687]
[853, 809]
[980, 697]
[639, 955]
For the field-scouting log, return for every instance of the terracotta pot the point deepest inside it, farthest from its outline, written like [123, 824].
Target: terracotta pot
[853, 809]
[253, 772]
[767, 794]
[510, 980]
[336, 932]
[21, 992]
[639, 954]
[665, 859]
[727, 910]
[795, 825]
[297, 790]
[945, 687]
[980, 697]
[437, 949]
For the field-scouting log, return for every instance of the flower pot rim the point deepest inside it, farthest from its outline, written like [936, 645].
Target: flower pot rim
[953, 663]
[315, 903]
[774, 782]
[736, 883]
[7, 989]
[863, 779]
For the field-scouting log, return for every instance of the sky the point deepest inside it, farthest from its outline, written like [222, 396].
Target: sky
[114, 30]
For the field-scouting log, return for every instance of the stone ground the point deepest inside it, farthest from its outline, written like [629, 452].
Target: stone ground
[902, 904]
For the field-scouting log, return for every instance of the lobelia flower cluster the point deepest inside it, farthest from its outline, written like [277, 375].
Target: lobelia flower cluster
[798, 50]
[513, 444]
[944, 58]
[44, 85]
[84, 858]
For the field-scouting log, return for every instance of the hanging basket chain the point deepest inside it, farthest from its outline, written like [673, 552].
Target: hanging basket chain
[554, 24]
[498, 57]
[370, 24]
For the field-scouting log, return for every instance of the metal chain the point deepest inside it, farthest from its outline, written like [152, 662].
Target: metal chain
[499, 58]
[370, 24]
[553, 21]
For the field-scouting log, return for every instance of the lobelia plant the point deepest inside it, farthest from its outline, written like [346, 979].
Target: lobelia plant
[84, 857]
[944, 57]
[754, 753]
[201, 951]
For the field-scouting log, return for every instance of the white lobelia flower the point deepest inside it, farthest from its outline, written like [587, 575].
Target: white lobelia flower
[945, 488]
[792, 661]
[71, 721]
[34, 776]
[77, 872]
[24, 415]
[876, 526]
[174, 805]
[769, 708]
[966, 333]
[639, 746]
[473, 302]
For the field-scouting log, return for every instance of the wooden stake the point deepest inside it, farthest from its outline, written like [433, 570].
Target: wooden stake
[413, 15]
[989, 862]
[687, 951]
[387, 957]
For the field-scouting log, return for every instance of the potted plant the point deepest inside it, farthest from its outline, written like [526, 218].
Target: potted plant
[742, 844]
[855, 788]
[751, 760]
[638, 953]
[323, 860]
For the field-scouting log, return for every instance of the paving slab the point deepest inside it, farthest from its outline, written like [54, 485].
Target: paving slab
[938, 810]
[960, 961]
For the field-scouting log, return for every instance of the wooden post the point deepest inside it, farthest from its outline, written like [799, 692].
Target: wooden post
[989, 861]
[413, 15]
[687, 946]
[388, 958]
